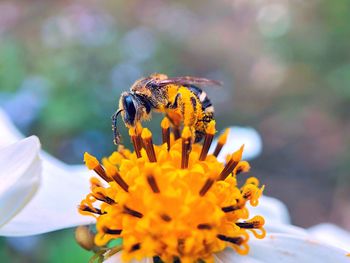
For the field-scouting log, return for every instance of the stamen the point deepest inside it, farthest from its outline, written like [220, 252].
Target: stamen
[186, 147]
[176, 131]
[235, 158]
[234, 240]
[132, 212]
[166, 217]
[210, 131]
[93, 210]
[101, 197]
[165, 124]
[136, 141]
[120, 181]
[112, 172]
[242, 167]
[112, 231]
[121, 150]
[93, 164]
[230, 208]
[207, 185]
[221, 142]
[148, 144]
[135, 247]
[247, 224]
[254, 224]
[204, 227]
[153, 183]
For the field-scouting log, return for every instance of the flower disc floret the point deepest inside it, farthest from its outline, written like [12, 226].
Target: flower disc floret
[172, 201]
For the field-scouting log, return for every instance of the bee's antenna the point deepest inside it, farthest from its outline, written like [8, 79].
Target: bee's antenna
[115, 128]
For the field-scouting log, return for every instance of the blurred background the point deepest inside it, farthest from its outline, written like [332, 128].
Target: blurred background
[285, 65]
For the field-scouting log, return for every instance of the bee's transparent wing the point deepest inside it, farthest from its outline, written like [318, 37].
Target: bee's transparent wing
[187, 80]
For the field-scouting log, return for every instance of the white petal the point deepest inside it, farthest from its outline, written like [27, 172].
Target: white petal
[276, 227]
[117, 258]
[19, 176]
[331, 234]
[55, 204]
[238, 136]
[9, 133]
[272, 209]
[286, 249]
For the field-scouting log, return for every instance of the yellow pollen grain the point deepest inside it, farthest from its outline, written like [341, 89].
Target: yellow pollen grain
[223, 137]
[186, 133]
[146, 133]
[165, 124]
[211, 128]
[90, 161]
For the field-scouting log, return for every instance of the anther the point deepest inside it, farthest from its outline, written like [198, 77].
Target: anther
[146, 136]
[221, 142]
[135, 247]
[165, 217]
[210, 131]
[101, 197]
[165, 124]
[93, 210]
[112, 172]
[207, 185]
[186, 147]
[230, 208]
[136, 141]
[176, 131]
[234, 240]
[132, 212]
[112, 231]
[242, 167]
[231, 165]
[120, 181]
[93, 164]
[153, 183]
[204, 227]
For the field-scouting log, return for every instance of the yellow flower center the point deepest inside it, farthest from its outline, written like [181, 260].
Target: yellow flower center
[172, 201]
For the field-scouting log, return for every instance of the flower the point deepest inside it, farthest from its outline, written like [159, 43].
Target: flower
[21, 161]
[173, 201]
[38, 193]
[61, 186]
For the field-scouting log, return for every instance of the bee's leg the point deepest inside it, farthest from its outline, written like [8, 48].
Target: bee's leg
[175, 117]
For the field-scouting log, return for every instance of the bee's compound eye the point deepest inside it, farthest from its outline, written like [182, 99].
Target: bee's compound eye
[130, 110]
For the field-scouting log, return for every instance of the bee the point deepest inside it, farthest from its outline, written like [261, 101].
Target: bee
[181, 99]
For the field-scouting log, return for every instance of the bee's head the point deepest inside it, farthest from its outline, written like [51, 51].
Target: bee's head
[129, 105]
[133, 108]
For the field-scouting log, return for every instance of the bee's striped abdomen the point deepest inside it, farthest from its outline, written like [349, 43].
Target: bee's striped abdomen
[207, 106]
